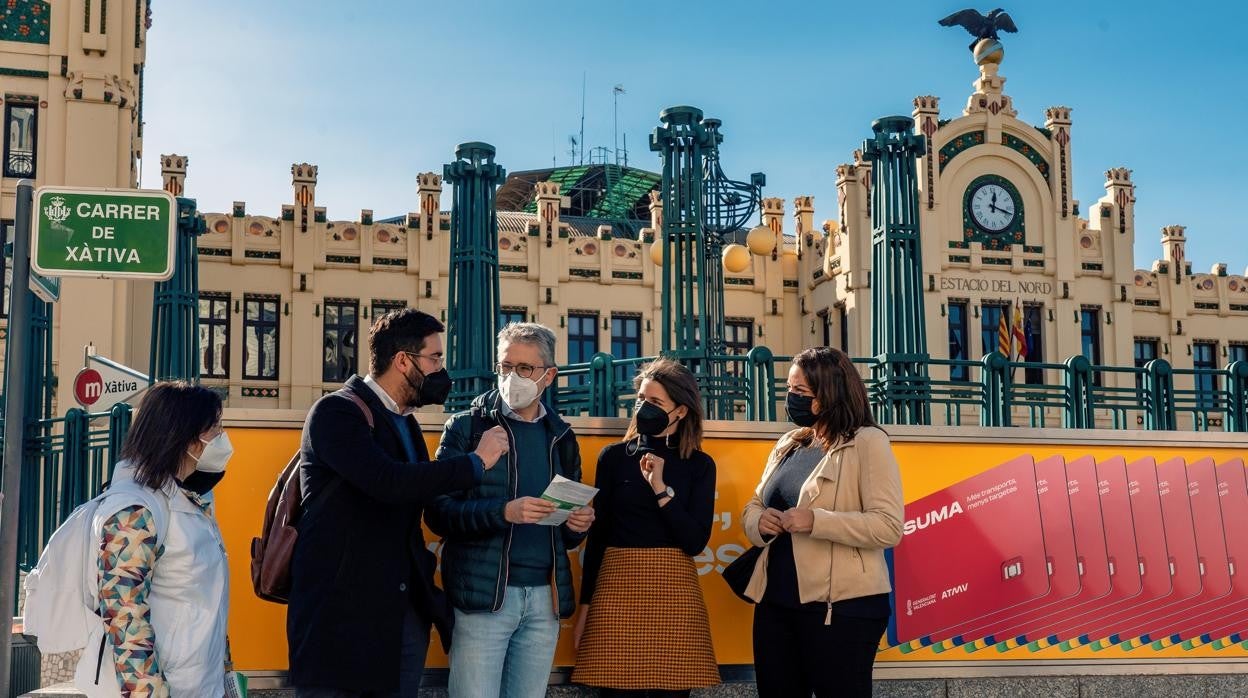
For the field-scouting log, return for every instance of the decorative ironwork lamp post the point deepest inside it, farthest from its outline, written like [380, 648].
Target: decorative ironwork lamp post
[473, 300]
[175, 316]
[898, 339]
[700, 206]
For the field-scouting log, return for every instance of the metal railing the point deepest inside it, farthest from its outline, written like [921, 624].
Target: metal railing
[67, 461]
[992, 391]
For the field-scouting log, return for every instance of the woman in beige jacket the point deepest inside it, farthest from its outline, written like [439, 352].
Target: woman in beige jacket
[827, 507]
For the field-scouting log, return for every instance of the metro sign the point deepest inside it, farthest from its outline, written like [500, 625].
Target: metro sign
[104, 383]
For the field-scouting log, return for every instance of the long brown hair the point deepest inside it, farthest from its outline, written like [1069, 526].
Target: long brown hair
[835, 383]
[682, 388]
[170, 420]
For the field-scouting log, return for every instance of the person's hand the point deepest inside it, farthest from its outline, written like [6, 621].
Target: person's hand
[527, 510]
[493, 445]
[652, 470]
[581, 519]
[579, 630]
[771, 523]
[798, 520]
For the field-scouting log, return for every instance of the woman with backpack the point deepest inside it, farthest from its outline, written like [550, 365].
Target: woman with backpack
[163, 577]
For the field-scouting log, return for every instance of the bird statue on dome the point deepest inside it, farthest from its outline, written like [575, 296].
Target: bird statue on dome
[981, 27]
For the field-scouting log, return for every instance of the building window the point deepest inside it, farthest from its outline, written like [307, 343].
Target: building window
[341, 339]
[1205, 361]
[625, 343]
[957, 341]
[20, 136]
[1237, 352]
[1033, 333]
[844, 318]
[825, 317]
[739, 337]
[990, 315]
[214, 334]
[381, 306]
[510, 314]
[582, 341]
[1090, 338]
[260, 337]
[1145, 351]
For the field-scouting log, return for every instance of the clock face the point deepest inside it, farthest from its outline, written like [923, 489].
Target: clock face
[992, 208]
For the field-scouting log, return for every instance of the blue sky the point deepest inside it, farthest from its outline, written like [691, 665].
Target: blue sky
[375, 92]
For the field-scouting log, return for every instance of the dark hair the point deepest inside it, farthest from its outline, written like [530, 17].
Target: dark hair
[169, 420]
[682, 388]
[835, 383]
[396, 331]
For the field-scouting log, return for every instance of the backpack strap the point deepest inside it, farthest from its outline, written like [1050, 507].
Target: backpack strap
[359, 402]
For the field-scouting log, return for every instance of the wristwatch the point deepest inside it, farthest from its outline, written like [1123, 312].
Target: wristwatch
[669, 492]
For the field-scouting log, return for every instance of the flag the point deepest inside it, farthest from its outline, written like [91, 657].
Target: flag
[1020, 337]
[1003, 334]
[955, 345]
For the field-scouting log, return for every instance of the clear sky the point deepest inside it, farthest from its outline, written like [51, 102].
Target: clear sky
[374, 92]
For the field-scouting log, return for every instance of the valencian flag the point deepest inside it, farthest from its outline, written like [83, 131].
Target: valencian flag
[1020, 337]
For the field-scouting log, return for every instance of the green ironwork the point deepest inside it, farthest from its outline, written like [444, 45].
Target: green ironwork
[175, 310]
[473, 299]
[1024, 148]
[898, 337]
[27, 21]
[681, 142]
[963, 142]
[1012, 235]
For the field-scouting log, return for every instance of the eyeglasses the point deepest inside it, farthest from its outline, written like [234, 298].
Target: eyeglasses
[436, 359]
[522, 370]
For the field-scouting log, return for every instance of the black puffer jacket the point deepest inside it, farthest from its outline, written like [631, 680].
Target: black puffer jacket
[474, 558]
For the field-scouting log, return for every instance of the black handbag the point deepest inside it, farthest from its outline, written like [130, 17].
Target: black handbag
[738, 573]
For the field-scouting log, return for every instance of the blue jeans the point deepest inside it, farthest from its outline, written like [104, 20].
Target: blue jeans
[507, 654]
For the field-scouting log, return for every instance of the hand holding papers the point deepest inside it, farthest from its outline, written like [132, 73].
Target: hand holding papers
[568, 496]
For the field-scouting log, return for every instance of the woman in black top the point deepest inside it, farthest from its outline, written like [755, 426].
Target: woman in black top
[643, 628]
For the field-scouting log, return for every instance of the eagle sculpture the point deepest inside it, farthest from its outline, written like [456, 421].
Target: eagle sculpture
[979, 26]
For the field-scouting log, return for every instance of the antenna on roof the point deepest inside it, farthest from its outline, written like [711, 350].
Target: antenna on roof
[572, 142]
[582, 118]
[615, 100]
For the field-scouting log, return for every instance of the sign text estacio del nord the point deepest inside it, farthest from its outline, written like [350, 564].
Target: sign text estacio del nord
[111, 233]
[957, 283]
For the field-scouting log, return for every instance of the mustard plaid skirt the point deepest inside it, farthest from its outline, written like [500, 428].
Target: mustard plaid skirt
[647, 626]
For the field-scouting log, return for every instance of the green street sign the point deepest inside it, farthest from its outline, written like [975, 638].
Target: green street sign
[109, 233]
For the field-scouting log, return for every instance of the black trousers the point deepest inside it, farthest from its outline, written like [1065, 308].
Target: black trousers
[642, 693]
[411, 670]
[795, 654]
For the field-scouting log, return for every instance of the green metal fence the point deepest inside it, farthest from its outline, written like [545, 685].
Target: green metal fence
[67, 461]
[992, 391]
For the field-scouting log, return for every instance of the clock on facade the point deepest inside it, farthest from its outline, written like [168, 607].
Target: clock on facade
[992, 207]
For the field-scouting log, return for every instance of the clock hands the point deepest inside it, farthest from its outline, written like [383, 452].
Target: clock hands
[993, 206]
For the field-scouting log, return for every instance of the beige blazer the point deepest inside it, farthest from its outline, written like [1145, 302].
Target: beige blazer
[855, 494]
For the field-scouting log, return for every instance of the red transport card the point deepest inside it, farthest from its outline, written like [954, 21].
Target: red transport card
[1230, 619]
[1214, 568]
[1052, 490]
[973, 548]
[1176, 577]
[1122, 554]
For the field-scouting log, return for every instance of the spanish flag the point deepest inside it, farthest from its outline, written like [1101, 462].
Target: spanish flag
[1020, 338]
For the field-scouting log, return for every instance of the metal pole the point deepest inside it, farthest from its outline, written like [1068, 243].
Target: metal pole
[14, 418]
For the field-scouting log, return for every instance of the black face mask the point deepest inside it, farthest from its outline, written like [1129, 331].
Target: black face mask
[201, 482]
[651, 419]
[800, 409]
[433, 390]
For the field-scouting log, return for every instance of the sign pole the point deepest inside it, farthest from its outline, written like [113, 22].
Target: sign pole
[14, 419]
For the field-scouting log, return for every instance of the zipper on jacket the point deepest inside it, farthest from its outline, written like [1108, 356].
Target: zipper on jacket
[513, 474]
[99, 661]
[554, 552]
[836, 491]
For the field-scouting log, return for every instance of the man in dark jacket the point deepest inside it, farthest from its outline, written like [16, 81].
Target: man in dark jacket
[362, 595]
[508, 576]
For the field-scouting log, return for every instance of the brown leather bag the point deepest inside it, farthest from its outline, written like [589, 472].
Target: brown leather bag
[271, 553]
